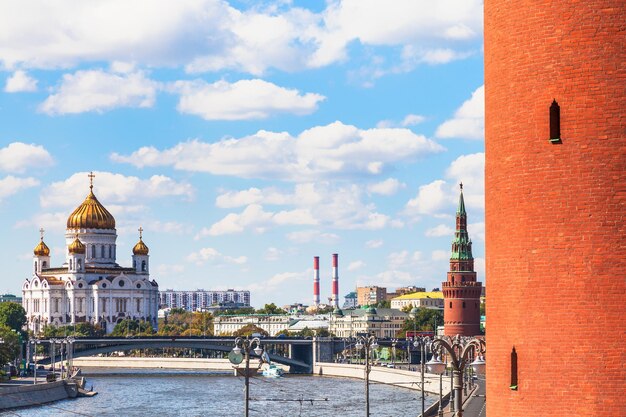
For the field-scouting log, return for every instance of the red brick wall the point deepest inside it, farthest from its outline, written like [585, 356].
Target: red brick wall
[555, 213]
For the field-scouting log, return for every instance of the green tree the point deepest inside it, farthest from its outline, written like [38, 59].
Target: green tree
[130, 327]
[424, 320]
[384, 304]
[271, 309]
[249, 330]
[12, 315]
[10, 346]
[186, 323]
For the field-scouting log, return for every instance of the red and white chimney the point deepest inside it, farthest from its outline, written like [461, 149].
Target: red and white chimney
[335, 295]
[316, 281]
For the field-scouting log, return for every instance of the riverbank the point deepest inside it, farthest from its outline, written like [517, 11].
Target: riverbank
[379, 374]
[19, 393]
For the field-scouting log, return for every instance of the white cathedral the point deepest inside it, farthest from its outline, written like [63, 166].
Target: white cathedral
[90, 286]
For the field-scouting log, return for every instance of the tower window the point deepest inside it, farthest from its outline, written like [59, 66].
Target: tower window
[513, 370]
[143, 266]
[93, 251]
[102, 251]
[450, 304]
[555, 122]
[463, 304]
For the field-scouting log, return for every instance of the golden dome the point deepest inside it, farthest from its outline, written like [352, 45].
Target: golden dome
[91, 215]
[41, 249]
[76, 247]
[140, 248]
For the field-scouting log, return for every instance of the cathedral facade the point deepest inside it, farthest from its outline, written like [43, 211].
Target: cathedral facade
[90, 287]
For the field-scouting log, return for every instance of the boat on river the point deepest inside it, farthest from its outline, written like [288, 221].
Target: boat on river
[272, 371]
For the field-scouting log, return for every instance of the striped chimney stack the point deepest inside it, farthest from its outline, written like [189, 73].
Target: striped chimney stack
[335, 295]
[316, 280]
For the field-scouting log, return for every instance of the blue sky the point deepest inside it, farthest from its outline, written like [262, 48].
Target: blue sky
[246, 137]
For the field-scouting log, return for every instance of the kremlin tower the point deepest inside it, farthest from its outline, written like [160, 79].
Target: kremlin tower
[555, 207]
[461, 292]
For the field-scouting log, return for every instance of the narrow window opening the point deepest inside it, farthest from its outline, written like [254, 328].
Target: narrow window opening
[450, 304]
[463, 304]
[555, 122]
[513, 370]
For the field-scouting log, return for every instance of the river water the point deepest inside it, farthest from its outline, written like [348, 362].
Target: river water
[161, 394]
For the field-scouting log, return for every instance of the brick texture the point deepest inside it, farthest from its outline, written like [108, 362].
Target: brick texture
[555, 213]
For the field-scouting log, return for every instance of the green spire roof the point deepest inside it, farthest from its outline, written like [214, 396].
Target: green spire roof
[461, 209]
[462, 244]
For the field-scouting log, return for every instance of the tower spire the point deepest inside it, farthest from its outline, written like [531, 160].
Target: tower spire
[461, 208]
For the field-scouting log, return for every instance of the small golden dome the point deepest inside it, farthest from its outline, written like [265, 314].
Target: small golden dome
[140, 248]
[41, 249]
[76, 247]
[91, 215]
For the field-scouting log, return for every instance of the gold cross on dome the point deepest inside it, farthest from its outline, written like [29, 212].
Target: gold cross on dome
[140, 232]
[41, 232]
[91, 177]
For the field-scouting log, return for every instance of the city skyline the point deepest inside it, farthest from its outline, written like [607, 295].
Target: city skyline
[247, 138]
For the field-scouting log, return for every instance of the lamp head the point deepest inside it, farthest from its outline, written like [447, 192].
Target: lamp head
[479, 365]
[435, 366]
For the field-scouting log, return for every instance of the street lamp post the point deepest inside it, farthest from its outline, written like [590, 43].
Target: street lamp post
[422, 342]
[460, 351]
[370, 344]
[35, 342]
[246, 345]
[435, 366]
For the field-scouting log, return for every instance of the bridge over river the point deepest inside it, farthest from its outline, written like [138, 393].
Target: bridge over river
[298, 353]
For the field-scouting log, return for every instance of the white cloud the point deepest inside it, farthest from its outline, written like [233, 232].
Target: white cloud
[256, 218]
[113, 188]
[430, 199]
[242, 100]
[99, 91]
[321, 203]
[10, 185]
[214, 257]
[167, 270]
[440, 255]
[389, 279]
[353, 266]
[390, 186]
[439, 231]
[412, 120]
[374, 243]
[476, 231]
[21, 157]
[323, 151]
[409, 120]
[469, 119]
[210, 35]
[306, 236]
[49, 221]
[150, 226]
[20, 82]
[273, 254]
[395, 23]
[440, 196]
[285, 281]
